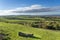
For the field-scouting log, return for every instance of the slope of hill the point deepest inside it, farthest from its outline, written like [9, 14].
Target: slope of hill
[43, 34]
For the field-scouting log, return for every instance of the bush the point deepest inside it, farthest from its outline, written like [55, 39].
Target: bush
[4, 36]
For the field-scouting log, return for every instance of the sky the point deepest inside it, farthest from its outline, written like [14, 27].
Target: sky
[29, 7]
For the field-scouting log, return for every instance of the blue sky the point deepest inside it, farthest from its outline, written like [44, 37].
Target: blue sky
[8, 4]
[33, 6]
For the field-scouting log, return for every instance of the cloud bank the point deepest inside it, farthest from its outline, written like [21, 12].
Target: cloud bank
[29, 9]
[35, 9]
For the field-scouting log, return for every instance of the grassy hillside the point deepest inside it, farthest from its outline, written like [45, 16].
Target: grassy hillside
[43, 34]
[12, 25]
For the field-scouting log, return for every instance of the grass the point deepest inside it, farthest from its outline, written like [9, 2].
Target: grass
[43, 34]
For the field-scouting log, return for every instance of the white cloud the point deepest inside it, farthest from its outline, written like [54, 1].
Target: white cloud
[29, 9]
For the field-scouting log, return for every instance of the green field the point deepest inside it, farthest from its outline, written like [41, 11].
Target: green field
[12, 25]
